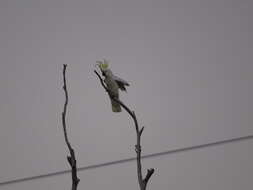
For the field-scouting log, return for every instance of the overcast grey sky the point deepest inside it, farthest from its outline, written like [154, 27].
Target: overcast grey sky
[188, 62]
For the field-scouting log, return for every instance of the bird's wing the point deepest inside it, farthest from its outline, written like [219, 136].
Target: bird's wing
[120, 80]
[121, 83]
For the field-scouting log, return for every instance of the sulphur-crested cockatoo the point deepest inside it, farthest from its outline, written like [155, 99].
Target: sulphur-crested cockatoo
[113, 83]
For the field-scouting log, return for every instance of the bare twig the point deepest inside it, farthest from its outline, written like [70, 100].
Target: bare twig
[142, 182]
[71, 159]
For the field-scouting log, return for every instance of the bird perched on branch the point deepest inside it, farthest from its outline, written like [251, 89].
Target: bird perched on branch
[113, 83]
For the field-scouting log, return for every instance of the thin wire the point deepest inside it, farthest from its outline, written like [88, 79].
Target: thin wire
[173, 151]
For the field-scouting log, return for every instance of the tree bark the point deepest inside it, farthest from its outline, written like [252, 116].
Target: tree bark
[142, 182]
[71, 159]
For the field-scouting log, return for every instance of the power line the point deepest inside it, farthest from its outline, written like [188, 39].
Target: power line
[173, 151]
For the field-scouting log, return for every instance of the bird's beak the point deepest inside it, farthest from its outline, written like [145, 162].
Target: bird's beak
[97, 64]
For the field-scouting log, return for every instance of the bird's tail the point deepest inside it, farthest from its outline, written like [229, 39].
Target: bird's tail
[115, 106]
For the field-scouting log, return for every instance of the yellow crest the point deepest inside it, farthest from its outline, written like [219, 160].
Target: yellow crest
[103, 66]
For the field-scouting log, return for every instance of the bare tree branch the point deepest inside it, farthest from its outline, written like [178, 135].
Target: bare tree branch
[71, 159]
[142, 182]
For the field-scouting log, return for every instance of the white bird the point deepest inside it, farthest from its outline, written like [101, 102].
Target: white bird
[113, 83]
